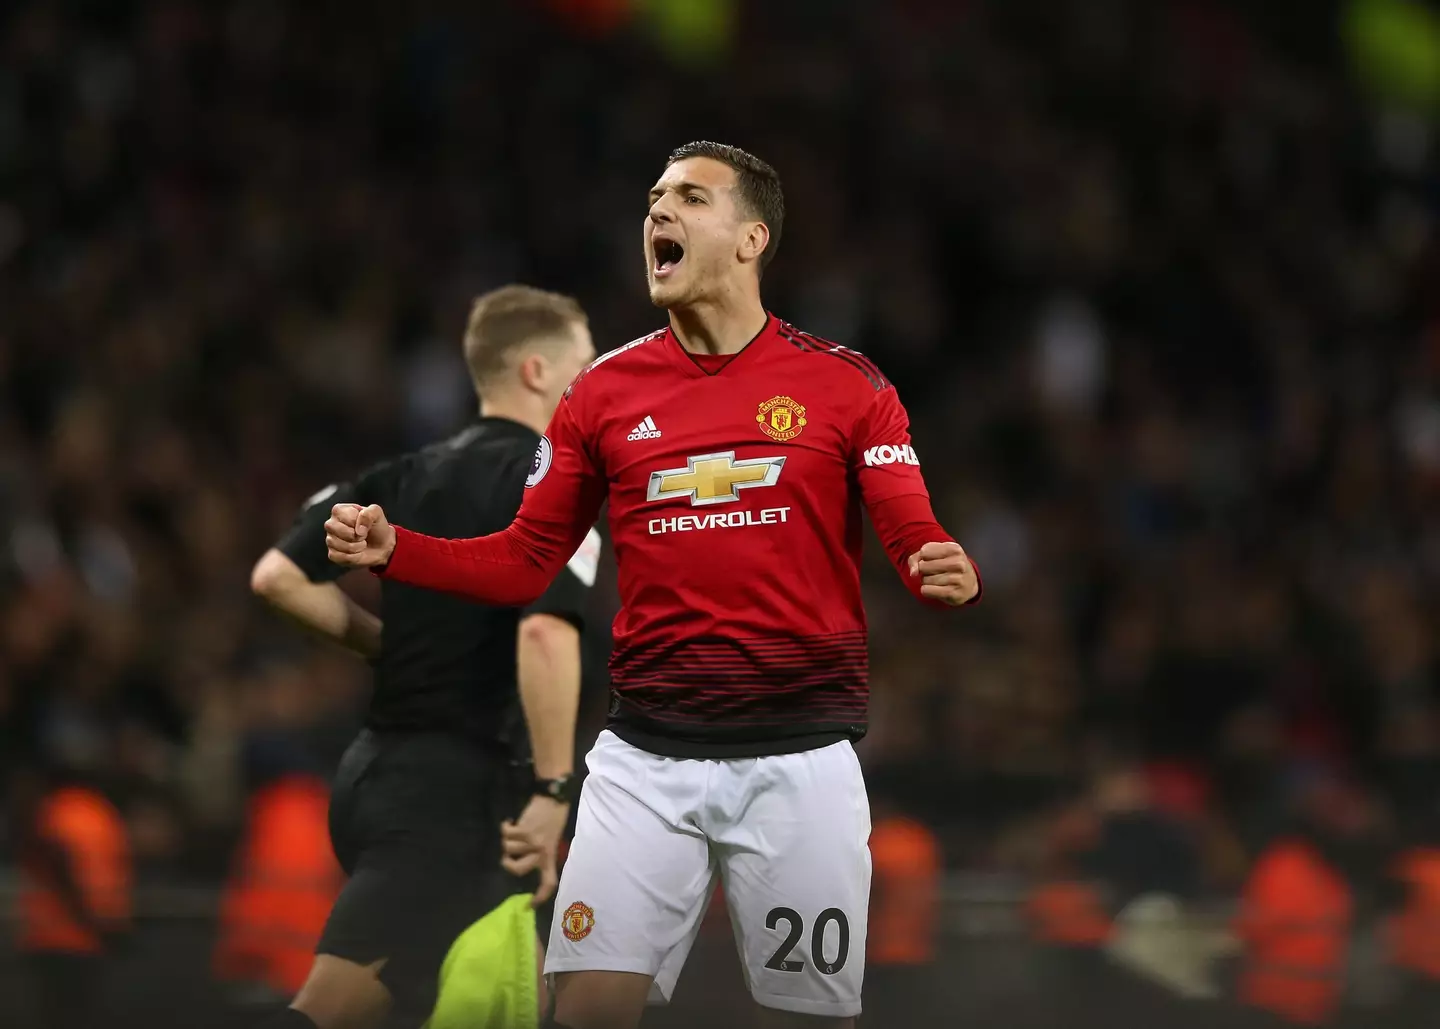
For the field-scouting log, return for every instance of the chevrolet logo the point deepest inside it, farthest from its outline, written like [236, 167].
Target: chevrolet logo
[714, 478]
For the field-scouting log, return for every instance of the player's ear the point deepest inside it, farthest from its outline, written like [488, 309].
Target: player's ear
[754, 238]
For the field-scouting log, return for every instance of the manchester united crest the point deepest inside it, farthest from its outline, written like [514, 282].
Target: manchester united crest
[781, 418]
[578, 921]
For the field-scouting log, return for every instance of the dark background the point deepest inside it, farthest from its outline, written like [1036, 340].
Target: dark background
[1158, 281]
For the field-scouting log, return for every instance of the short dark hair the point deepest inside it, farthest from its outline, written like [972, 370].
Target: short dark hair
[757, 186]
[510, 317]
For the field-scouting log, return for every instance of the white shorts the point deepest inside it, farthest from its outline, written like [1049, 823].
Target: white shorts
[788, 836]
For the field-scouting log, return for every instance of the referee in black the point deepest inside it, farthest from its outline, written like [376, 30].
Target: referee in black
[421, 795]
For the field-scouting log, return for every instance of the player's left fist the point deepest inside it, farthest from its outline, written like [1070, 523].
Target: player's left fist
[946, 574]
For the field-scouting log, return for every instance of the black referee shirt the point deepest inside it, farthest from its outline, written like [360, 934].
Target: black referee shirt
[447, 663]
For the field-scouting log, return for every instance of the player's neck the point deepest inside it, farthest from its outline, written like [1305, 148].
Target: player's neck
[717, 326]
[523, 409]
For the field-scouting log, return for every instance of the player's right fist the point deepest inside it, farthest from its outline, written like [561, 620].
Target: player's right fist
[359, 537]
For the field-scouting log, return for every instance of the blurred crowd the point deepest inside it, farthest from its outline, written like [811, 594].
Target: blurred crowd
[1157, 282]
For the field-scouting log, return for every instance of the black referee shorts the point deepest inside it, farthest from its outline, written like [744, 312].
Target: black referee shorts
[415, 822]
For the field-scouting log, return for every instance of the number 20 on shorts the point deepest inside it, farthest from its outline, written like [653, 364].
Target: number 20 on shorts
[780, 960]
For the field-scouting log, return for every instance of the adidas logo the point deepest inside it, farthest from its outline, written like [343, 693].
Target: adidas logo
[645, 430]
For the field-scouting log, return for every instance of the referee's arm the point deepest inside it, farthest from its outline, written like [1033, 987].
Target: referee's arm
[296, 578]
[548, 676]
[547, 659]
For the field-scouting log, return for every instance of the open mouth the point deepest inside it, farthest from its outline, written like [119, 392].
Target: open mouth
[668, 254]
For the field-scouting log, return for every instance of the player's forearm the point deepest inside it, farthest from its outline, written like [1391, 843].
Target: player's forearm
[505, 568]
[513, 567]
[905, 524]
[319, 607]
[548, 669]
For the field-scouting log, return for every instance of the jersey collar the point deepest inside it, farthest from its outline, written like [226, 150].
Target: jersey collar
[686, 362]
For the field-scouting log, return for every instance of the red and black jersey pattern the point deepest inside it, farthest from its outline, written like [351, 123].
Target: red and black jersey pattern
[813, 344]
[714, 689]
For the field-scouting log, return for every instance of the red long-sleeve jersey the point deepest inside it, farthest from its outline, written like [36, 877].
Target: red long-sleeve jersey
[735, 489]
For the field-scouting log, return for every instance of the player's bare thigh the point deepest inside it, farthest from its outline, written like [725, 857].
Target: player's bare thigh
[600, 1000]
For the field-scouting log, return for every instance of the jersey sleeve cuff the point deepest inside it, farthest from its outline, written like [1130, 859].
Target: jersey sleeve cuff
[399, 554]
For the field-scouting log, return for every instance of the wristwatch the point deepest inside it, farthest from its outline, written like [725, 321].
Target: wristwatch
[561, 789]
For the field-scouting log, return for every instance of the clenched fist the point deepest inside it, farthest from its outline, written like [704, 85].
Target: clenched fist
[946, 573]
[359, 537]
